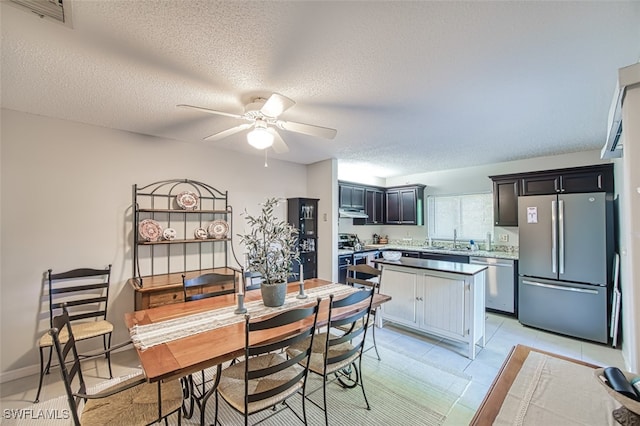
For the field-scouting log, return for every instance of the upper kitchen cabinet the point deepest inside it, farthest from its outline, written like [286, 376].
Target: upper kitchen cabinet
[363, 198]
[404, 205]
[374, 206]
[507, 188]
[351, 196]
[505, 201]
[597, 178]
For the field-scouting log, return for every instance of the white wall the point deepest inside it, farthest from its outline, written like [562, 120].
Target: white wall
[322, 184]
[66, 203]
[630, 229]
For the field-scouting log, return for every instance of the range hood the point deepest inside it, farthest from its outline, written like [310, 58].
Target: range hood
[627, 76]
[352, 213]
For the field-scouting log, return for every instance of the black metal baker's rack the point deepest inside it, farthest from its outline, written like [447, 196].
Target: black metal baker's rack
[187, 253]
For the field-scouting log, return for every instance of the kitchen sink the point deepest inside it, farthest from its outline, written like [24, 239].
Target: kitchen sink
[465, 249]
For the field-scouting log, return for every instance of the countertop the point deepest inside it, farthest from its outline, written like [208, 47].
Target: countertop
[435, 265]
[461, 252]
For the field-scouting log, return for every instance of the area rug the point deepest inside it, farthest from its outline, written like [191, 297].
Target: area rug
[401, 391]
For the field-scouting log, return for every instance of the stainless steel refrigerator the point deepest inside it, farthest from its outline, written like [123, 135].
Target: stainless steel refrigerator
[565, 262]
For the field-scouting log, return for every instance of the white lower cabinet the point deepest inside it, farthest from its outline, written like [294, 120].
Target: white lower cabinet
[443, 304]
[403, 306]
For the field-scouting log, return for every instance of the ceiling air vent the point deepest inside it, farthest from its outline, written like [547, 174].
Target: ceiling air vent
[54, 9]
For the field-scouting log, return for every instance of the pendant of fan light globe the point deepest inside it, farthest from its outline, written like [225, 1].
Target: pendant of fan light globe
[259, 137]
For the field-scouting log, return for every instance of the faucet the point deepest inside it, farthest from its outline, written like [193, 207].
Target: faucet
[455, 238]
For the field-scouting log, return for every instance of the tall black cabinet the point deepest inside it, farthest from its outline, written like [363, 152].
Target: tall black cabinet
[302, 213]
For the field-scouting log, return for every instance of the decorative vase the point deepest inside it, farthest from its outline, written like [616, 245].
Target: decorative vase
[273, 294]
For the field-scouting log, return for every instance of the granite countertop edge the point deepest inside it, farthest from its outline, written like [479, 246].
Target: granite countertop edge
[478, 253]
[435, 265]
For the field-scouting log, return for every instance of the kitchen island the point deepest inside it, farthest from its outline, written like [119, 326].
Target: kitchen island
[445, 299]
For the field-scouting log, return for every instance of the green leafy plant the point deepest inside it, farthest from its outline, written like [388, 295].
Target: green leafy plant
[272, 244]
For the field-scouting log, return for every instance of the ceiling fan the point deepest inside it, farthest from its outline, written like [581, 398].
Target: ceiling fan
[262, 115]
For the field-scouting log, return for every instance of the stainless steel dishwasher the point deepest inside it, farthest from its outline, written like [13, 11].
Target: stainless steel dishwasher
[501, 285]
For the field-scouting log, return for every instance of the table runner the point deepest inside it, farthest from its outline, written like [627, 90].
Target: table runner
[146, 336]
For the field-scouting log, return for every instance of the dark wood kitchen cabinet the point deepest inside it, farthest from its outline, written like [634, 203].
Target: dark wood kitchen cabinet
[374, 206]
[405, 205]
[344, 261]
[507, 188]
[597, 178]
[505, 202]
[351, 196]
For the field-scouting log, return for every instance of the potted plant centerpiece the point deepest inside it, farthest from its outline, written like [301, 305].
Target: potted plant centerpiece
[272, 245]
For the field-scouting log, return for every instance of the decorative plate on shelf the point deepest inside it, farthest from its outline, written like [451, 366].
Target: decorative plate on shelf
[169, 234]
[150, 230]
[201, 234]
[218, 229]
[187, 200]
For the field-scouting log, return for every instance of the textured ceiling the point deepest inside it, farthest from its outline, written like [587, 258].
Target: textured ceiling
[410, 86]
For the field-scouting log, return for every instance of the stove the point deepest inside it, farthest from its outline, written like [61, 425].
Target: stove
[348, 242]
[350, 252]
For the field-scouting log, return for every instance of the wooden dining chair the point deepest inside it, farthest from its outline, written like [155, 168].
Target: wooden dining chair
[86, 293]
[132, 402]
[337, 354]
[372, 279]
[267, 377]
[207, 285]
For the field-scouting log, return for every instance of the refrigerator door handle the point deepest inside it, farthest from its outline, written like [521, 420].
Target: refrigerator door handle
[554, 237]
[561, 236]
[557, 287]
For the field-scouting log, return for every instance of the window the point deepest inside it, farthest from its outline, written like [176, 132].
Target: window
[471, 215]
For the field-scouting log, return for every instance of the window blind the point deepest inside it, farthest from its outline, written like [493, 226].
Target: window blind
[470, 214]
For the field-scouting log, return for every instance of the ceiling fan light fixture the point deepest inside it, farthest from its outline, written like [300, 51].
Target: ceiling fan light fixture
[260, 138]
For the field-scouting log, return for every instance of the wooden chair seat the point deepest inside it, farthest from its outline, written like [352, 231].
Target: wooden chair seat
[318, 354]
[231, 386]
[81, 331]
[137, 405]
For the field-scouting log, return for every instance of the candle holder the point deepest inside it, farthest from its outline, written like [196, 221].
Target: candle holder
[241, 308]
[301, 294]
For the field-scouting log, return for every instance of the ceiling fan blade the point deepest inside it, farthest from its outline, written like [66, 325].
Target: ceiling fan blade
[276, 105]
[307, 129]
[228, 132]
[278, 144]
[210, 111]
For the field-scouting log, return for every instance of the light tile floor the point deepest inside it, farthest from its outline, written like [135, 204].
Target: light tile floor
[503, 333]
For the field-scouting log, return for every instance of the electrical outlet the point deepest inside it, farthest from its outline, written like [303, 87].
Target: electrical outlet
[504, 238]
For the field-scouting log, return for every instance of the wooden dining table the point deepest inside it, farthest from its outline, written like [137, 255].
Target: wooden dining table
[188, 355]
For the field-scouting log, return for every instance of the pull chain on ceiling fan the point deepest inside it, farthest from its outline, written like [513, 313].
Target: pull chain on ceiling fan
[262, 115]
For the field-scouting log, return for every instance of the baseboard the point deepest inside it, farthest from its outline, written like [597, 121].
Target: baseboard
[34, 370]
[19, 373]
